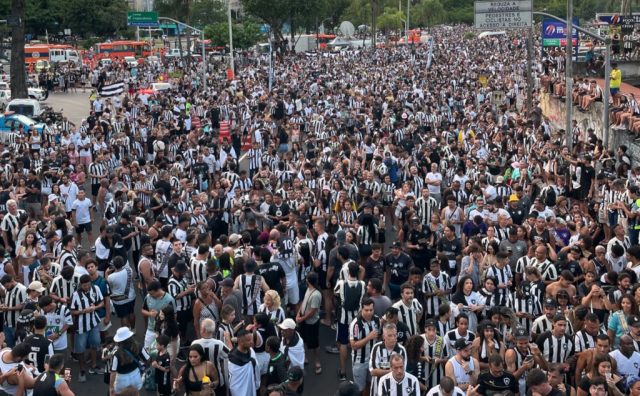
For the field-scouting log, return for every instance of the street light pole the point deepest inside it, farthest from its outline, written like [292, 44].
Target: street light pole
[406, 33]
[231, 63]
[607, 69]
[569, 76]
[204, 60]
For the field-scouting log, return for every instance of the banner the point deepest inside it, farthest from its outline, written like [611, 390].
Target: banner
[554, 33]
[112, 89]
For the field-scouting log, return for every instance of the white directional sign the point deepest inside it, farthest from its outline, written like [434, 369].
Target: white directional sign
[498, 15]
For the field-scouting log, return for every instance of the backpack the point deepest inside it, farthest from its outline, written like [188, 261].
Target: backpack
[352, 295]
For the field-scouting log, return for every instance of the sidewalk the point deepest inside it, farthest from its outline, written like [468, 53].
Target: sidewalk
[624, 88]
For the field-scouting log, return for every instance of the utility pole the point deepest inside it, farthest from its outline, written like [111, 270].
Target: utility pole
[406, 33]
[529, 71]
[569, 75]
[231, 64]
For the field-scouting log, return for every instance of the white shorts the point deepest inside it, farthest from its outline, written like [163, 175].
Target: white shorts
[293, 295]
[361, 375]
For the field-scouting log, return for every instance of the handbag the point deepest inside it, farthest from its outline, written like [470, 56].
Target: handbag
[125, 295]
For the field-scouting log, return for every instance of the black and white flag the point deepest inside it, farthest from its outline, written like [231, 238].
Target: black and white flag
[112, 89]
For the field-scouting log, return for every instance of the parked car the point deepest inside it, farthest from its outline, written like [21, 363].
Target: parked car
[27, 107]
[12, 121]
[131, 61]
[5, 98]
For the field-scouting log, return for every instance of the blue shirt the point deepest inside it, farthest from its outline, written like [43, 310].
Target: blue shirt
[105, 290]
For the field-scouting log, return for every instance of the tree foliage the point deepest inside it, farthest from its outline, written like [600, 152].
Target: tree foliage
[245, 35]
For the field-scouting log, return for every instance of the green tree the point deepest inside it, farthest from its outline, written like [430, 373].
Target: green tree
[245, 35]
[391, 19]
[207, 12]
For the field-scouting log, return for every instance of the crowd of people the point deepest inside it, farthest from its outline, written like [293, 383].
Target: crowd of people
[450, 240]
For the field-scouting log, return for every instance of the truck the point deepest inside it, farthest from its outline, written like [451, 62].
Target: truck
[27, 107]
[51, 52]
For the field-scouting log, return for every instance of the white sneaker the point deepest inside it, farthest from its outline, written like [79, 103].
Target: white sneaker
[82, 377]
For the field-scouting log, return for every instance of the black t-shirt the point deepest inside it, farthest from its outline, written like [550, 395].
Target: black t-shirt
[39, 347]
[399, 267]
[124, 230]
[33, 197]
[277, 370]
[273, 273]
[162, 378]
[403, 332]
[489, 384]
[374, 268]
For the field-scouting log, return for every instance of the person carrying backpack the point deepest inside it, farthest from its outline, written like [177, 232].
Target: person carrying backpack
[350, 291]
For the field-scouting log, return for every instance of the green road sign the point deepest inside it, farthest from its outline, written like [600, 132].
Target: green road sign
[142, 19]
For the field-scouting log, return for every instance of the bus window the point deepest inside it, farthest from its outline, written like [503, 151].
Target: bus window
[138, 50]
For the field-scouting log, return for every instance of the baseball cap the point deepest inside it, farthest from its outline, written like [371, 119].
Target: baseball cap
[461, 343]
[550, 302]
[396, 244]
[513, 198]
[295, 374]
[430, 323]
[634, 321]
[37, 286]
[287, 324]
[234, 238]
[521, 333]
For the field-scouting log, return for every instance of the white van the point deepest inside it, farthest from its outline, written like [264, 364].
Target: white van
[28, 107]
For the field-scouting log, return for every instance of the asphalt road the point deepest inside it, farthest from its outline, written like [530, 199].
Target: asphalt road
[76, 107]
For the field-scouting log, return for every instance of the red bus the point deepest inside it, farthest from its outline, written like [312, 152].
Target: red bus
[120, 49]
[324, 39]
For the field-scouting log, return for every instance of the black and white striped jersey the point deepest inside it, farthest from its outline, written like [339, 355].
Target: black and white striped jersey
[10, 225]
[453, 335]
[216, 352]
[436, 349]
[529, 305]
[583, 340]
[176, 287]
[99, 170]
[409, 315]
[64, 288]
[359, 329]
[381, 358]
[250, 287]
[503, 275]
[388, 386]
[68, 258]
[431, 284]
[53, 272]
[81, 300]
[198, 269]
[555, 349]
[13, 298]
[426, 208]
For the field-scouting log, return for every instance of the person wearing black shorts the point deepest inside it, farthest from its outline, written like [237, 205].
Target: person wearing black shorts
[308, 318]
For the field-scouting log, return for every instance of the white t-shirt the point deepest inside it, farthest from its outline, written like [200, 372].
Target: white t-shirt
[434, 176]
[118, 283]
[68, 194]
[82, 208]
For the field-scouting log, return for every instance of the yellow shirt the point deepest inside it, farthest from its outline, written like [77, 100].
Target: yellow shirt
[616, 78]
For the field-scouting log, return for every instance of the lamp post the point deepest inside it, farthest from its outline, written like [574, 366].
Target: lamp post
[204, 59]
[231, 62]
[607, 70]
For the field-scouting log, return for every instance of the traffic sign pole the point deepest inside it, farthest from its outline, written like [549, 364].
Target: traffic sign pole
[568, 65]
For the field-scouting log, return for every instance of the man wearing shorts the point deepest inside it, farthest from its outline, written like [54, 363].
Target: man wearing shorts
[84, 303]
[123, 292]
[81, 216]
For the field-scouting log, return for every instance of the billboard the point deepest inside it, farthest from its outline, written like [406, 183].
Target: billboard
[554, 33]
